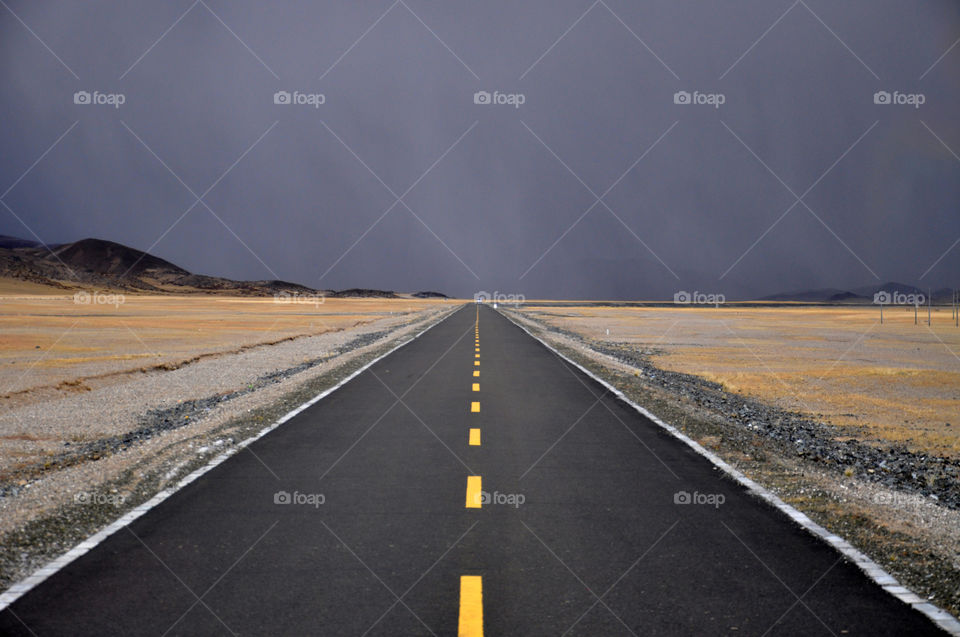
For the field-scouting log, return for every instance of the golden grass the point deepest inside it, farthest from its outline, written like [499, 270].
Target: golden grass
[896, 382]
[46, 340]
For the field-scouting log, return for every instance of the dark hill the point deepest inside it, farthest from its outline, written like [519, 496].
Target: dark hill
[106, 264]
[112, 259]
[364, 294]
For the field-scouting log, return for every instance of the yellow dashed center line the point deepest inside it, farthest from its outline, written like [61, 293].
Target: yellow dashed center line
[471, 586]
[473, 492]
[471, 606]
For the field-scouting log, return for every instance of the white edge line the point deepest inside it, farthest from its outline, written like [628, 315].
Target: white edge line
[33, 580]
[874, 571]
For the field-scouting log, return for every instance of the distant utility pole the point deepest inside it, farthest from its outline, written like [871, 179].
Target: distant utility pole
[929, 301]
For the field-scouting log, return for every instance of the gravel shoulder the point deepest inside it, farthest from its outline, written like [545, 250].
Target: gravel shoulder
[127, 441]
[900, 508]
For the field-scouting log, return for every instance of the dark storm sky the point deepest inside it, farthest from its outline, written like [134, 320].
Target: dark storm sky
[798, 180]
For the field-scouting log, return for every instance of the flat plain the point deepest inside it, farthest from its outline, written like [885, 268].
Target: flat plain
[59, 342]
[894, 382]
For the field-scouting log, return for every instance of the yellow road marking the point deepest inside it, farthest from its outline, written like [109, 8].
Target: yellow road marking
[477, 349]
[475, 407]
[471, 606]
[476, 355]
[476, 387]
[474, 437]
[476, 372]
[476, 363]
[473, 492]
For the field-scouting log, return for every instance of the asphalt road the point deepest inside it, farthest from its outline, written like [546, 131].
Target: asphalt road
[578, 529]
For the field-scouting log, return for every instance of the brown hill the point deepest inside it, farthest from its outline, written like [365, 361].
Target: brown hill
[106, 264]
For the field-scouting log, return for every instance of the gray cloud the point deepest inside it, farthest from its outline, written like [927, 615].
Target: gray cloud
[493, 188]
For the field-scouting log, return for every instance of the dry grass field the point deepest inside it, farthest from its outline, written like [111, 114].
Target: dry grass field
[895, 382]
[51, 341]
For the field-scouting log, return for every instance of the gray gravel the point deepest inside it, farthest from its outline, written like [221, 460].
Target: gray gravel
[184, 413]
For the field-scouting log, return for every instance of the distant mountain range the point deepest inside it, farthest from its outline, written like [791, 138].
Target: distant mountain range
[101, 264]
[858, 295]
[96, 263]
